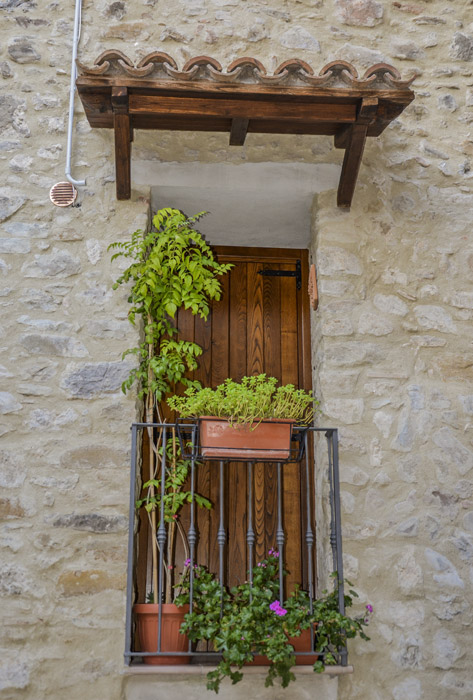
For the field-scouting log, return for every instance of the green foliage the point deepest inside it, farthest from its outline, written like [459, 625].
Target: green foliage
[250, 620]
[174, 496]
[251, 400]
[172, 267]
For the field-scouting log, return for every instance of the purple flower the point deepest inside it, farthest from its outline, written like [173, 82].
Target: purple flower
[276, 608]
[369, 608]
[187, 562]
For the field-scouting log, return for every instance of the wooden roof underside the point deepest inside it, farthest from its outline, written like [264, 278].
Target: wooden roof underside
[244, 99]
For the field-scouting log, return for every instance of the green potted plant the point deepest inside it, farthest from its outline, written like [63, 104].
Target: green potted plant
[250, 620]
[251, 419]
[171, 267]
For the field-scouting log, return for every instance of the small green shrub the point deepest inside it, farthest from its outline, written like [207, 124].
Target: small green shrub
[249, 401]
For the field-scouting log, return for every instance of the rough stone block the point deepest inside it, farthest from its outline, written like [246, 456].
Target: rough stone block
[359, 13]
[446, 650]
[390, 304]
[8, 403]
[94, 378]
[435, 318]
[94, 457]
[373, 324]
[461, 48]
[58, 264]
[22, 50]
[347, 411]
[460, 455]
[91, 522]
[10, 202]
[56, 345]
[73, 583]
[299, 38]
[333, 260]
[354, 353]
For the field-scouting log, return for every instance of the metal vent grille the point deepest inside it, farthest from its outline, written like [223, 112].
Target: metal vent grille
[63, 194]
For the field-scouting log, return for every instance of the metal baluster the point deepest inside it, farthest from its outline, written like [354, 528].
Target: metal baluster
[192, 533]
[221, 536]
[131, 543]
[333, 537]
[250, 533]
[280, 535]
[309, 534]
[162, 536]
[336, 533]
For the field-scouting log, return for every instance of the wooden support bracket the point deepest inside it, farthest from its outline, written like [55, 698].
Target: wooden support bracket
[355, 143]
[123, 139]
[340, 140]
[238, 131]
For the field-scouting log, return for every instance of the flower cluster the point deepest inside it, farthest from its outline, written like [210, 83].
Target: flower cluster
[277, 608]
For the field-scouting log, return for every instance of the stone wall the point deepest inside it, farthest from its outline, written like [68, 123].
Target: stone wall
[394, 371]
[393, 363]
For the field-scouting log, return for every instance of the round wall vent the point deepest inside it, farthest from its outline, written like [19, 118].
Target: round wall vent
[63, 194]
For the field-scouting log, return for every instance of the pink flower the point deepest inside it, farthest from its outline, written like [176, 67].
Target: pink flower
[276, 608]
[369, 608]
[187, 562]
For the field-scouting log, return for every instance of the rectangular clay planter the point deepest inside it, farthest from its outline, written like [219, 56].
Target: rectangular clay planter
[268, 440]
[301, 643]
[147, 620]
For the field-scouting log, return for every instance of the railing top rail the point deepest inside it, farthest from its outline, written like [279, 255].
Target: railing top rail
[311, 428]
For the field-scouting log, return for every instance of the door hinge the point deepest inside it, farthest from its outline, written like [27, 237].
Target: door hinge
[285, 273]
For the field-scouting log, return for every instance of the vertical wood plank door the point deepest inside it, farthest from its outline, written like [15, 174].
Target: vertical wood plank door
[261, 324]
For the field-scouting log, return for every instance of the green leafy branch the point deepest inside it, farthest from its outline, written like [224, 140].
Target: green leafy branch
[172, 267]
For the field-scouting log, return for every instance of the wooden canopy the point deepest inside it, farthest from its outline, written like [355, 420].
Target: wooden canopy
[155, 94]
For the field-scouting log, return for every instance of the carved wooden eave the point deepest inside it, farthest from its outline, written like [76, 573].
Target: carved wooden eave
[155, 94]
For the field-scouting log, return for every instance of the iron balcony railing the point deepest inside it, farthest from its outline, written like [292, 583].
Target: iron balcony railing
[306, 449]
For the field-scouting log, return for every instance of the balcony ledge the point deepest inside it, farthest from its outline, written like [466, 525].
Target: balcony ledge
[201, 670]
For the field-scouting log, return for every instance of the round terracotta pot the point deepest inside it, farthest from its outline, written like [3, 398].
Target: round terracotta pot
[301, 643]
[146, 615]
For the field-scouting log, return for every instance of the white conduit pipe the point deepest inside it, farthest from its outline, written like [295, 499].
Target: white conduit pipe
[75, 42]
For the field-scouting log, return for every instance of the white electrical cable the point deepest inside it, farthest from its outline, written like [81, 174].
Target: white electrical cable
[75, 42]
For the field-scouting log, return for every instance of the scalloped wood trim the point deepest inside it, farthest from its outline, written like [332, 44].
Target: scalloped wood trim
[336, 73]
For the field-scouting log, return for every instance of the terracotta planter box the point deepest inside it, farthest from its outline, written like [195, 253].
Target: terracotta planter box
[268, 440]
[301, 643]
[146, 615]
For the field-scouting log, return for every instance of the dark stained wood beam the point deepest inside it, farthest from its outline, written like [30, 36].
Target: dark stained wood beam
[243, 108]
[356, 139]
[238, 131]
[349, 114]
[123, 139]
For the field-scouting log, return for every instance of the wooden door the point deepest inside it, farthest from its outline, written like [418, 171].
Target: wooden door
[261, 324]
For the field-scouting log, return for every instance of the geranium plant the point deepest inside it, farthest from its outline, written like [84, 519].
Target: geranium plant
[252, 619]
